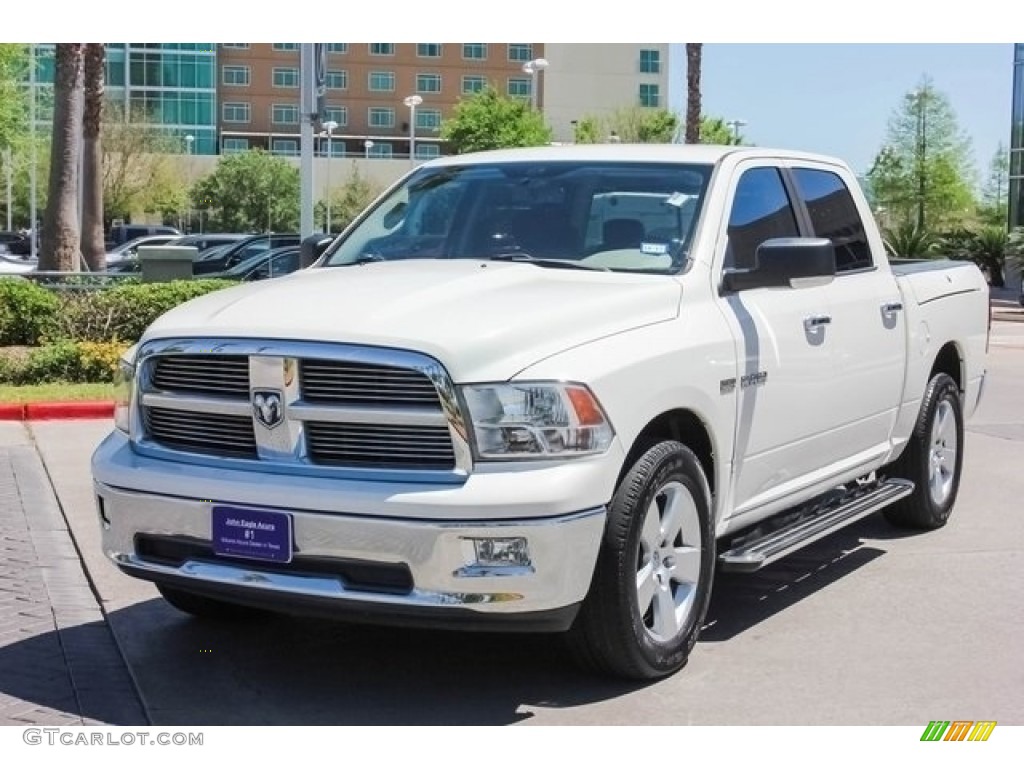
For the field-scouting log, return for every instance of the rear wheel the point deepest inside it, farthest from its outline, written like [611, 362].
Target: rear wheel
[932, 460]
[652, 582]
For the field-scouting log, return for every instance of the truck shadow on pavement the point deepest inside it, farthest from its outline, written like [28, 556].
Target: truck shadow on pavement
[288, 671]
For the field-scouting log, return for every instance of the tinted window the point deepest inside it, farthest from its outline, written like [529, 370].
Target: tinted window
[761, 210]
[834, 215]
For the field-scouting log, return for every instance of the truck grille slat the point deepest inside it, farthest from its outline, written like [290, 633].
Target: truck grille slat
[333, 443]
[216, 435]
[330, 381]
[203, 374]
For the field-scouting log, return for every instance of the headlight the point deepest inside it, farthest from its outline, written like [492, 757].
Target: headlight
[124, 381]
[536, 420]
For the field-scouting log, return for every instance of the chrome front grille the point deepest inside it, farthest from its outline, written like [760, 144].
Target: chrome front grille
[225, 375]
[217, 434]
[334, 407]
[362, 445]
[336, 381]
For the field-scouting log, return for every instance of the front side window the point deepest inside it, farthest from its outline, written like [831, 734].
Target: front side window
[630, 217]
[834, 216]
[761, 210]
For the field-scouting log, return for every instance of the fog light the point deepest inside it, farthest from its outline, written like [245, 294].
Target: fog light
[499, 552]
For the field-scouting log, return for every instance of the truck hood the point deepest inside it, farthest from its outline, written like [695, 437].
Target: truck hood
[484, 321]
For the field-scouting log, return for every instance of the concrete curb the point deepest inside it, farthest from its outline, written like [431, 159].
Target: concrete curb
[45, 411]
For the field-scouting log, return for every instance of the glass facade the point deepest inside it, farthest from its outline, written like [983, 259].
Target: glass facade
[1017, 140]
[168, 85]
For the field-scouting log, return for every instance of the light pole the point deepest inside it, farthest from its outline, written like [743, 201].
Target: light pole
[412, 102]
[329, 126]
[367, 146]
[533, 69]
[32, 170]
[736, 125]
[189, 138]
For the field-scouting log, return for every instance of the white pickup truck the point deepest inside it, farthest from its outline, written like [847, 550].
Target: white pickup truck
[548, 390]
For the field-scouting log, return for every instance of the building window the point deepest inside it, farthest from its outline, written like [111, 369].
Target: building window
[235, 112]
[337, 47]
[286, 77]
[428, 119]
[288, 147]
[649, 95]
[520, 51]
[336, 148]
[285, 114]
[382, 49]
[519, 86]
[382, 81]
[427, 151]
[476, 51]
[233, 74]
[381, 149]
[381, 117]
[234, 146]
[428, 83]
[236, 47]
[428, 50]
[337, 79]
[650, 62]
[285, 46]
[337, 114]
[473, 83]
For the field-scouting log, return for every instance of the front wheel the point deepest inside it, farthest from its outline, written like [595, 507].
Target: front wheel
[932, 459]
[652, 582]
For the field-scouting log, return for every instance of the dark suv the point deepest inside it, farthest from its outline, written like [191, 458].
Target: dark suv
[221, 260]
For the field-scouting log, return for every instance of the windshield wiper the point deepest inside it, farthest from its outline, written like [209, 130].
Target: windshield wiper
[526, 258]
[363, 258]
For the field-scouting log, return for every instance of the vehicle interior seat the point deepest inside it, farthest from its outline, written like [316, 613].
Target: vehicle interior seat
[622, 233]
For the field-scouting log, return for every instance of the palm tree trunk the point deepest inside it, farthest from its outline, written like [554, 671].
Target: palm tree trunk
[693, 59]
[93, 245]
[60, 221]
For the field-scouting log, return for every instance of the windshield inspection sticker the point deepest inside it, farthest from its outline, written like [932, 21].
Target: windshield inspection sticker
[654, 249]
[677, 199]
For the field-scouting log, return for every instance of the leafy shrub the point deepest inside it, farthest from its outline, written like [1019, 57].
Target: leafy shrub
[28, 312]
[67, 361]
[124, 312]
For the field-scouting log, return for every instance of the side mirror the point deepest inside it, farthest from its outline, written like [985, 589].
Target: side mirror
[312, 248]
[786, 262]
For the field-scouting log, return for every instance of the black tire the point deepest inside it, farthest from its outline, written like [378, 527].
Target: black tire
[613, 634]
[935, 484]
[205, 607]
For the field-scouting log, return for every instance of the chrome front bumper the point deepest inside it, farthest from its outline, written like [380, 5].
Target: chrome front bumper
[446, 589]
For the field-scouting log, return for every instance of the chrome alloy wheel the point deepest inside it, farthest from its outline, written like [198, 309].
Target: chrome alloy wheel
[669, 561]
[942, 453]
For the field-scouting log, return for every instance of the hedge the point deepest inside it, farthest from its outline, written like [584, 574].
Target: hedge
[32, 315]
[67, 361]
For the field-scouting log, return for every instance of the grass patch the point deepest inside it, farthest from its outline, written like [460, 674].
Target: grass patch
[37, 393]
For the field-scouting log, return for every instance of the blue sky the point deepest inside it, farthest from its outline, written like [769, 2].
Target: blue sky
[837, 98]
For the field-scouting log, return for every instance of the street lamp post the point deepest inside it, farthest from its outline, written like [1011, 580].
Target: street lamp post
[188, 151]
[533, 69]
[736, 125]
[329, 126]
[32, 170]
[367, 146]
[412, 102]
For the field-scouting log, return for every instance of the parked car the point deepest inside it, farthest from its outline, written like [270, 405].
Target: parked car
[275, 263]
[16, 265]
[122, 233]
[240, 251]
[206, 241]
[16, 243]
[130, 249]
[496, 402]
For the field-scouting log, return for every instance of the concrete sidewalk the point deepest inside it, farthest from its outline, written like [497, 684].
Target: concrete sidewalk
[59, 664]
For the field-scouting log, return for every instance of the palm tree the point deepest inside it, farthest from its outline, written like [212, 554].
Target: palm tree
[693, 56]
[60, 221]
[93, 247]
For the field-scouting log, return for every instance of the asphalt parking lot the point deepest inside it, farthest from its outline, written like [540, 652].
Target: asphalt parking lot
[869, 626]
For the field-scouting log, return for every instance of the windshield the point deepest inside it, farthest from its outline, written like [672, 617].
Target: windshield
[630, 217]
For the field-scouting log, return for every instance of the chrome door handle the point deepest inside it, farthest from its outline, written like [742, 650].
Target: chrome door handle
[893, 306]
[816, 321]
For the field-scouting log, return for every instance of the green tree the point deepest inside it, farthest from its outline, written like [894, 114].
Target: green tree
[347, 201]
[631, 125]
[93, 246]
[250, 190]
[714, 130]
[923, 173]
[694, 121]
[488, 120]
[13, 96]
[995, 194]
[60, 235]
[587, 131]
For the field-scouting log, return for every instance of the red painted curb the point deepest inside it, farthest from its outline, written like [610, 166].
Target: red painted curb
[48, 411]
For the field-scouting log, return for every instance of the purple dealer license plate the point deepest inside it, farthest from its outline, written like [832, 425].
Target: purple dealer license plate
[253, 533]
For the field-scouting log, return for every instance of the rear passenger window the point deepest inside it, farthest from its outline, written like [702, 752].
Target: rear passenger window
[834, 215]
[761, 210]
